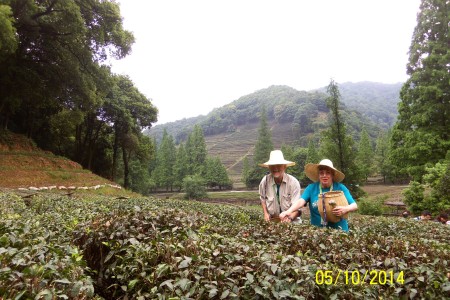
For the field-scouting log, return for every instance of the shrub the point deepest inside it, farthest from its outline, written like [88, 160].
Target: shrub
[437, 179]
[414, 196]
[372, 207]
[194, 186]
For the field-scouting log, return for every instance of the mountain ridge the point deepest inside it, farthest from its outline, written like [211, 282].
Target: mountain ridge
[294, 117]
[363, 97]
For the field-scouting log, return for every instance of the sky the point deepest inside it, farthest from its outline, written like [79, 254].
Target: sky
[193, 56]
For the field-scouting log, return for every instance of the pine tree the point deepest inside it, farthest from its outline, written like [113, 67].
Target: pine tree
[181, 167]
[421, 136]
[336, 144]
[264, 143]
[382, 152]
[165, 160]
[365, 155]
[196, 151]
[263, 147]
[216, 173]
[245, 169]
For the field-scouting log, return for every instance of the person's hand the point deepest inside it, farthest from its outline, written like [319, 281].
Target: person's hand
[340, 211]
[283, 215]
[267, 217]
[286, 219]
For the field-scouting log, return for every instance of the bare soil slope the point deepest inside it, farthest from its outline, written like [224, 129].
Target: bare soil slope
[23, 165]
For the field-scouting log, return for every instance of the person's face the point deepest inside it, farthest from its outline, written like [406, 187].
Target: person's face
[326, 177]
[426, 217]
[277, 171]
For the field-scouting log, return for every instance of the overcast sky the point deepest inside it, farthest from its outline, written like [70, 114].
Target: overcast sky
[193, 56]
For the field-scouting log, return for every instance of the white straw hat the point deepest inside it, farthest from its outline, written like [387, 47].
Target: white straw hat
[312, 171]
[277, 158]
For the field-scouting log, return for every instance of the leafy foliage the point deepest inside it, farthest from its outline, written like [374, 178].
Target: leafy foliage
[421, 135]
[194, 187]
[365, 155]
[374, 100]
[299, 111]
[56, 88]
[382, 154]
[436, 201]
[371, 207]
[165, 163]
[147, 248]
[216, 174]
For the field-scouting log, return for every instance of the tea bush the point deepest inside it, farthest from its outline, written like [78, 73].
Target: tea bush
[142, 248]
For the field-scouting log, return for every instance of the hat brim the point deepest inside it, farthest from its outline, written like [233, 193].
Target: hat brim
[312, 172]
[273, 163]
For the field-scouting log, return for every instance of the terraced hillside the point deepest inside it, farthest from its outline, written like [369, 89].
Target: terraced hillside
[233, 147]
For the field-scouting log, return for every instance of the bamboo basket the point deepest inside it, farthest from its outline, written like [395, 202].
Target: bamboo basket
[275, 219]
[339, 198]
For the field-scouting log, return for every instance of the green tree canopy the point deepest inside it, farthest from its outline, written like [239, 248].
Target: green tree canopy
[421, 135]
[8, 38]
[216, 174]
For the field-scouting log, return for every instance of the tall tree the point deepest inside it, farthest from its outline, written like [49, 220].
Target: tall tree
[421, 136]
[365, 155]
[264, 143]
[382, 153]
[166, 157]
[8, 38]
[263, 147]
[336, 144]
[196, 151]
[245, 169]
[181, 168]
[61, 45]
[130, 112]
[216, 173]
[139, 176]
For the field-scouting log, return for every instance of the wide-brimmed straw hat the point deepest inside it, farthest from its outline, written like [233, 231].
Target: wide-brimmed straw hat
[277, 158]
[312, 171]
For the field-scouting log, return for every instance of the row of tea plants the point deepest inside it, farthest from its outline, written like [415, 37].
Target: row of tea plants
[95, 247]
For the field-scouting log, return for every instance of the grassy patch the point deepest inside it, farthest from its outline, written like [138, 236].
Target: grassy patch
[247, 195]
[60, 175]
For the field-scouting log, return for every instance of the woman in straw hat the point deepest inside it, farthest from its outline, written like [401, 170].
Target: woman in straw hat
[326, 178]
[278, 190]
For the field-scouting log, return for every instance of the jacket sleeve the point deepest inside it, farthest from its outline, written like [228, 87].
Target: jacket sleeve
[262, 189]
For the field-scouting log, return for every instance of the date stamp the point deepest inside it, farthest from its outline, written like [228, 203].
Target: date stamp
[355, 277]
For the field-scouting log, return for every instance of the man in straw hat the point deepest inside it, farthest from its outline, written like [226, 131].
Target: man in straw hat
[326, 178]
[278, 190]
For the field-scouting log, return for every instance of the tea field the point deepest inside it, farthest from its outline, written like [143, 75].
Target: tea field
[99, 247]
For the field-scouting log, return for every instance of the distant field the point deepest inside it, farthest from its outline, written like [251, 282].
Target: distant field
[393, 193]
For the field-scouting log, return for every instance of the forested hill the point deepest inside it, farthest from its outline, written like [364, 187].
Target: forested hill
[301, 112]
[377, 101]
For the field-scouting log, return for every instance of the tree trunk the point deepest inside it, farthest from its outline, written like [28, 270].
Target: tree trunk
[126, 170]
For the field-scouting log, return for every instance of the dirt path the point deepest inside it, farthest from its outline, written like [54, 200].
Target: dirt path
[394, 192]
